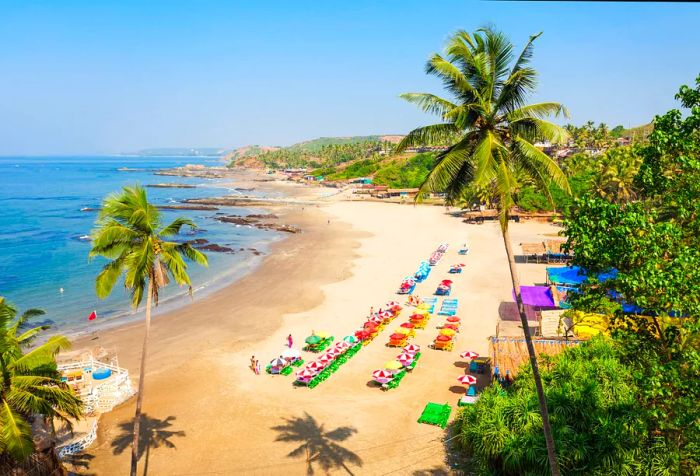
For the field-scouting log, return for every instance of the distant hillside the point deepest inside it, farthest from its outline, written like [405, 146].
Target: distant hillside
[320, 152]
[639, 132]
[181, 151]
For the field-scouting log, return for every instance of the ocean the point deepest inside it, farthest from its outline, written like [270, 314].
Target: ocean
[43, 239]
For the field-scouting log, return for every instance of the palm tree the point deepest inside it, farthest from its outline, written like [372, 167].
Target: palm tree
[130, 234]
[30, 384]
[496, 131]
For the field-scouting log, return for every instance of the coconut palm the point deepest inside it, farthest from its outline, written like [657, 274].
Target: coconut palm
[30, 385]
[496, 132]
[130, 234]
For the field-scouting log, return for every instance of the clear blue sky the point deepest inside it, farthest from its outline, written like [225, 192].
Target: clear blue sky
[110, 76]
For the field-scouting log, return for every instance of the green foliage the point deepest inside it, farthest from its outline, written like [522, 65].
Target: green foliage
[654, 243]
[408, 174]
[325, 152]
[30, 384]
[130, 234]
[599, 429]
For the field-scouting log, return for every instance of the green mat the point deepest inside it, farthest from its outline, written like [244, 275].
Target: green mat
[436, 414]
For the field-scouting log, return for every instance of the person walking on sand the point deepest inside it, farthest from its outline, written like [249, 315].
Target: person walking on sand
[371, 311]
[252, 363]
[290, 341]
[257, 367]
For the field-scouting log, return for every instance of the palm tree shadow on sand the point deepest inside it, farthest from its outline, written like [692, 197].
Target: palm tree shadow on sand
[153, 433]
[318, 445]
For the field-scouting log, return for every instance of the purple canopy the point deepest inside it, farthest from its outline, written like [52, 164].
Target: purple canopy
[538, 296]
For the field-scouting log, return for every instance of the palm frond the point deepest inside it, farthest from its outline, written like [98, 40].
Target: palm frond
[108, 277]
[429, 103]
[175, 227]
[535, 159]
[15, 433]
[427, 135]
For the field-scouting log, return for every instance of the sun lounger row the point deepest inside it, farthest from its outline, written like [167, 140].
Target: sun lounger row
[428, 304]
[449, 307]
[444, 288]
[447, 335]
[407, 286]
[320, 369]
[395, 370]
[284, 364]
[456, 268]
[423, 272]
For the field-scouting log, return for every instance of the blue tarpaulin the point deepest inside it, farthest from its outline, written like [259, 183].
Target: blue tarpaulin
[574, 275]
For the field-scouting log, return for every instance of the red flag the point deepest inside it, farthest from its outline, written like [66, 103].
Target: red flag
[92, 316]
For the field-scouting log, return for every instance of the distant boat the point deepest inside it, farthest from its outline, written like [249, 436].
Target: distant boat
[84, 238]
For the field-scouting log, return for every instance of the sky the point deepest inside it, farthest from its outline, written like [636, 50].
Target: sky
[110, 76]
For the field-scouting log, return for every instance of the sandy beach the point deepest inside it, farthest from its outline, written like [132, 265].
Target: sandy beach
[209, 414]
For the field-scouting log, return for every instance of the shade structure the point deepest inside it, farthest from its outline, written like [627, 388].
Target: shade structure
[342, 346]
[443, 338]
[393, 304]
[382, 374]
[291, 354]
[350, 339]
[446, 281]
[397, 336]
[412, 348]
[408, 325]
[405, 358]
[323, 334]
[469, 355]
[362, 334]
[333, 352]
[538, 296]
[447, 332]
[376, 319]
[453, 319]
[370, 325]
[403, 330]
[450, 325]
[466, 379]
[417, 317]
[306, 373]
[313, 339]
[278, 362]
[325, 359]
[393, 365]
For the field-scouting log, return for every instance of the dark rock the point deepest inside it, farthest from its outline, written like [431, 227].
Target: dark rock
[215, 248]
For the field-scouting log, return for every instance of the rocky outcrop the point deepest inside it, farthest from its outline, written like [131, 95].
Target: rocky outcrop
[254, 220]
[170, 185]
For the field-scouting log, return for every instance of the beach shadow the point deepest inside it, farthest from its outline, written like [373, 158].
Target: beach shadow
[436, 471]
[78, 464]
[153, 433]
[373, 384]
[458, 389]
[318, 445]
[460, 364]
[508, 311]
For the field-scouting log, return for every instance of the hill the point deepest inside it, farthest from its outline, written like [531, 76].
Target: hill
[639, 132]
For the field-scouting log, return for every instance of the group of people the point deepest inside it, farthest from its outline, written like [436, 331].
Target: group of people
[255, 363]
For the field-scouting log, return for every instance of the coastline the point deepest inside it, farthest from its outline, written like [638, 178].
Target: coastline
[351, 255]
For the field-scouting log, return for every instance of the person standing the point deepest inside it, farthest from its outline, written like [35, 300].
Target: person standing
[252, 363]
[290, 341]
[257, 367]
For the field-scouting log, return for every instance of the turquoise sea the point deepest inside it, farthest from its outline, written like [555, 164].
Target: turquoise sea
[43, 237]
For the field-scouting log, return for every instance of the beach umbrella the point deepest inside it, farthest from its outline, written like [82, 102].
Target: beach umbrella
[454, 327]
[316, 366]
[446, 281]
[325, 359]
[375, 319]
[469, 355]
[417, 317]
[443, 338]
[370, 325]
[393, 304]
[453, 319]
[407, 325]
[362, 335]
[306, 374]
[393, 365]
[397, 336]
[405, 359]
[278, 362]
[323, 335]
[313, 339]
[447, 332]
[412, 348]
[382, 374]
[291, 354]
[342, 346]
[403, 330]
[466, 379]
[350, 339]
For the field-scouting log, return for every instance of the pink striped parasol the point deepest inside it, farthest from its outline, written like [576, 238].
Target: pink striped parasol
[469, 355]
[405, 359]
[412, 348]
[466, 379]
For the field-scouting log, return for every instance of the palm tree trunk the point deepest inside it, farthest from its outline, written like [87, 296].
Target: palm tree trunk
[142, 378]
[549, 440]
